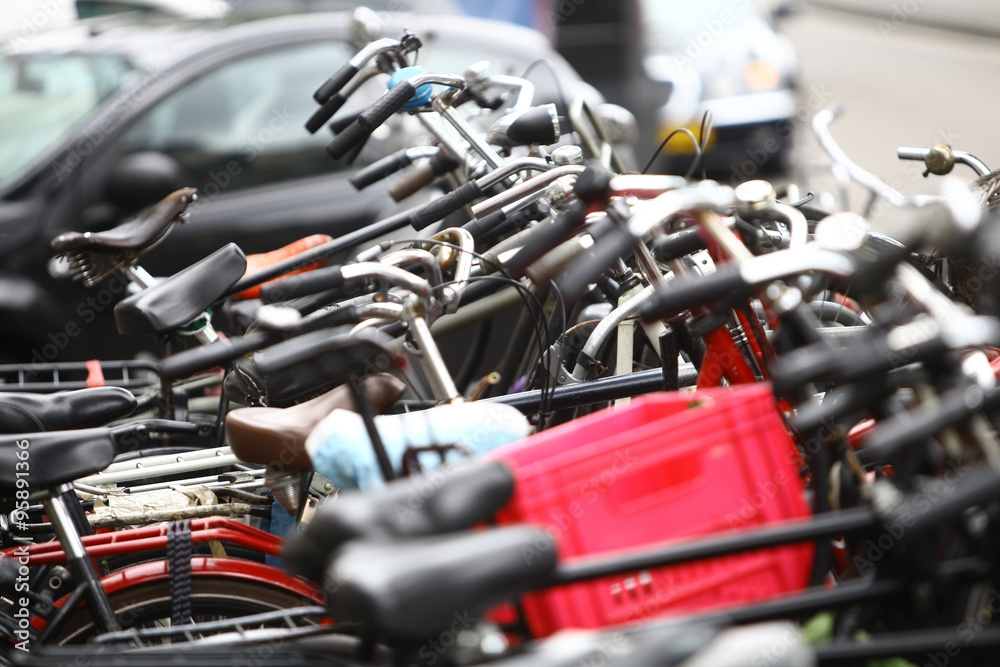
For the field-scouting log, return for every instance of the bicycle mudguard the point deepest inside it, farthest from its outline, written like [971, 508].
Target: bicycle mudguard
[234, 568]
[202, 567]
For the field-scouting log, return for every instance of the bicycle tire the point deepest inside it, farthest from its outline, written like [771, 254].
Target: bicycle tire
[212, 598]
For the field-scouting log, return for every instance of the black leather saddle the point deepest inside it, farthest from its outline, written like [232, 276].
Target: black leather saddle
[408, 591]
[53, 458]
[175, 301]
[139, 233]
[469, 495]
[22, 412]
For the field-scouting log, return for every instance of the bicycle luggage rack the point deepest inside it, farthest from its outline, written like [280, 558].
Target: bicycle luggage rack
[285, 624]
[67, 375]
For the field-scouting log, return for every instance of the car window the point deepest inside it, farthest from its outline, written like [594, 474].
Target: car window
[241, 125]
[44, 96]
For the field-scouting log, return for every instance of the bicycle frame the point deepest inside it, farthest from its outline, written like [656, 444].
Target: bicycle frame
[214, 530]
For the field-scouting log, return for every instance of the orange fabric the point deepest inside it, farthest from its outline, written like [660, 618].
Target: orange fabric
[263, 260]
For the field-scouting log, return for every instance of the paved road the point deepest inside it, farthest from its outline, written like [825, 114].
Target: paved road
[900, 83]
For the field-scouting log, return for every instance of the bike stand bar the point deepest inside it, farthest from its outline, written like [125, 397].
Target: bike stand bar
[668, 360]
[916, 644]
[789, 532]
[599, 391]
[820, 598]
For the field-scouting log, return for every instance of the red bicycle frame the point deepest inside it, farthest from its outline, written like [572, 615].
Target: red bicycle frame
[151, 538]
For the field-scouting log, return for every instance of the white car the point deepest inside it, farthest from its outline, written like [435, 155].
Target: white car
[723, 56]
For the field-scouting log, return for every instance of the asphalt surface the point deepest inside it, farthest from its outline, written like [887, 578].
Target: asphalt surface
[901, 80]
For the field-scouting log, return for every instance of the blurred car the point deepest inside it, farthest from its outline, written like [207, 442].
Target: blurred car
[670, 60]
[185, 9]
[724, 56]
[105, 117]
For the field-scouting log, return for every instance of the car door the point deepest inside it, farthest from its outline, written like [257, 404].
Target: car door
[236, 134]
[233, 131]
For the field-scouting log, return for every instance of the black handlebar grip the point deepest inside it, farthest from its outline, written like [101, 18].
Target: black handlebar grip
[419, 178]
[611, 246]
[325, 113]
[391, 102]
[342, 144]
[337, 317]
[441, 207]
[480, 228]
[907, 428]
[791, 371]
[370, 119]
[341, 123]
[188, 362]
[320, 280]
[545, 269]
[978, 487]
[683, 294]
[874, 261]
[678, 245]
[333, 85]
[380, 169]
[545, 236]
[440, 163]
[593, 185]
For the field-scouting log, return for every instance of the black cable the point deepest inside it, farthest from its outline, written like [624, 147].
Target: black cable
[540, 322]
[555, 79]
[546, 401]
[703, 131]
[663, 144]
[466, 372]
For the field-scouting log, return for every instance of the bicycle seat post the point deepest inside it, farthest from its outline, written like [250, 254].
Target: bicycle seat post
[78, 560]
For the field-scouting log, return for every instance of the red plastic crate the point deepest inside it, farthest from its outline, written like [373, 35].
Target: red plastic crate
[667, 466]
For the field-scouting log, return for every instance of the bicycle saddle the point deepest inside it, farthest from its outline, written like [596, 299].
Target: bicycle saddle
[277, 436]
[341, 451]
[411, 590]
[22, 412]
[408, 507]
[175, 301]
[304, 367]
[137, 234]
[53, 458]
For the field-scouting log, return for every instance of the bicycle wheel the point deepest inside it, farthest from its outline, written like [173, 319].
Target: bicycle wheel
[148, 605]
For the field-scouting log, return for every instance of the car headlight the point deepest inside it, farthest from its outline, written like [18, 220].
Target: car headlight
[761, 75]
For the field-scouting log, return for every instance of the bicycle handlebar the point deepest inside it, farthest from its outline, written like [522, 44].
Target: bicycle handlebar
[610, 246]
[370, 119]
[545, 236]
[940, 159]
[322, 279]
[821, 128]
[343, 76]
[389, 165]
[186, 363]
[332, 105]
[335, 276]
[337, 80]
[686, 293]
[440, 163]
[441, 207]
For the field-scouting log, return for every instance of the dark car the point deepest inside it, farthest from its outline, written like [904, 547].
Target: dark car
[101, 119]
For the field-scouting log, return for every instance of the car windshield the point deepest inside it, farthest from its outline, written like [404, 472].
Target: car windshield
[673, 23]
[43, 97]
